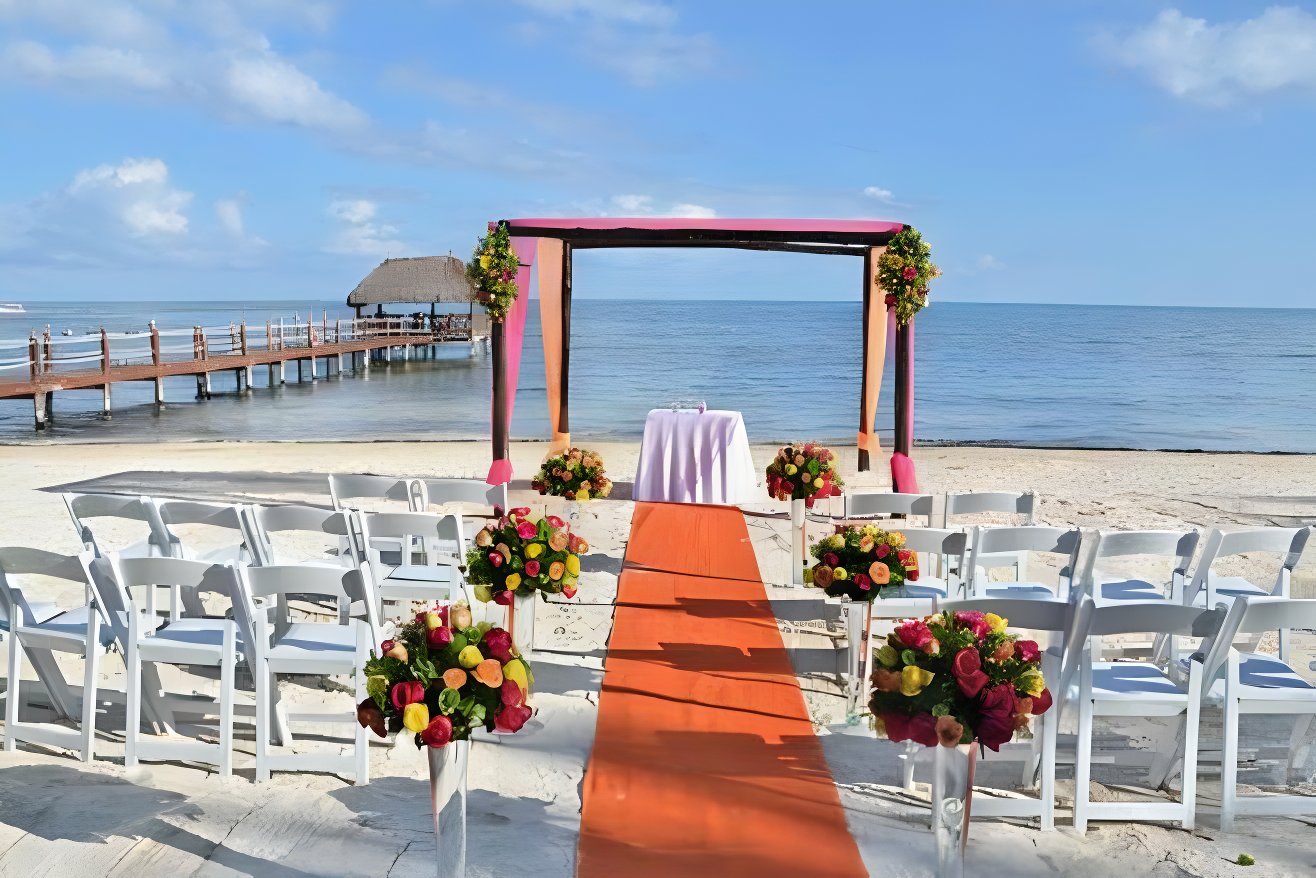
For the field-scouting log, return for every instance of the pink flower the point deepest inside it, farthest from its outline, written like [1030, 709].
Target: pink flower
[527, 531]
[903, 556]
[1042, 702]
[883, 550]
[511, 694]
[496, 559]
[438, 638]
[1027, 650]
[504, 598]
[975, 622]
[909, 273]
[512, 718]
[862, 580]
[407, 692]
[438, 733]
[554, 521]
[914, 634]
[532, 568]
[521, 511]
[498, 644]
[831, 559]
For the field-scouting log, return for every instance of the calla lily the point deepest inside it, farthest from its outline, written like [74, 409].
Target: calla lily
[489, 672]
[483, 593]
[513, 581]
[438, 733]
[415, 717]
[914, 680]
[534, 550]
[454, 678]
[470, 657]
[407, 692]
[573, 565]
[460, 616]
[371, 717]
[395, 649]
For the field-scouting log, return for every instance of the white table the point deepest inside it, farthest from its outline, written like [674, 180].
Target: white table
[695, 457]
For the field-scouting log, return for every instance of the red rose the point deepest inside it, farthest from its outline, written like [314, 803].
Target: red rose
[997, 724]
[890, 301]
[862, 580]
[438, 733]
[903, 556]
[1042, 702]
[510, 694]
[498, 644]
[914, 634]
[883, 550]
[923, 729]
[911, 575]
[896, 725]
[975, 622]
[971, 684]
[532, 568]
[511, 719]
[521, 511]
[504, 598]
[1027, 650]
[966, 662]
[438, 638]
[831, 559]
[405, 693]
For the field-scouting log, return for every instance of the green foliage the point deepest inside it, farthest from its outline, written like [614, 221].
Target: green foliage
[1245, 860]
[492, 271]
[905, 270]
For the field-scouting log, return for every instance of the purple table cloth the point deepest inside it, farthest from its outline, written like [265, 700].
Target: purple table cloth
[693, 457]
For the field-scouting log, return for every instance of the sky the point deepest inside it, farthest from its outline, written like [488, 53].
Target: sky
[1111, 151]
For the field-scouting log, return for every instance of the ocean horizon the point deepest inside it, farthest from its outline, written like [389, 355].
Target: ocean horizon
[1028, 375]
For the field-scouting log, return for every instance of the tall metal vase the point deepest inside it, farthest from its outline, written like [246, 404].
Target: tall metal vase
[521, 623]
[448, 792]
[952, 780]
[798, 542]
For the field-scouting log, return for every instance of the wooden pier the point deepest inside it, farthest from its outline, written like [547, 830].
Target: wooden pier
[38, 367]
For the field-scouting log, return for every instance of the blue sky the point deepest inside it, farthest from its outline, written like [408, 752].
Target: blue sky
[1115, 152]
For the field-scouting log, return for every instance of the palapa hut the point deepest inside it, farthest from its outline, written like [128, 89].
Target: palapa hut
[418, 280]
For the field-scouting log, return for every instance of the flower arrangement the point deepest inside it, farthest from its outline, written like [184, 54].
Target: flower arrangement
[904, 271]
[441, 677]
[804, 472]
[861, 561]
[953, 678]
[517, 556]
[575, 475]
[492, 271]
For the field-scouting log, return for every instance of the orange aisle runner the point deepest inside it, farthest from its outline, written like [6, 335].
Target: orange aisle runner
[704, 760]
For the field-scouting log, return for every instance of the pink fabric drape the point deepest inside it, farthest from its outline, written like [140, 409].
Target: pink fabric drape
[904, 479]
[500, 472]
[550, 319]
[879, 326]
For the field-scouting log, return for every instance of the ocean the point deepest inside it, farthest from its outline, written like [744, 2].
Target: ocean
[1035, 375]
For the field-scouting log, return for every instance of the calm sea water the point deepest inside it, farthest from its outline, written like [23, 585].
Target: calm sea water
[1057, 375]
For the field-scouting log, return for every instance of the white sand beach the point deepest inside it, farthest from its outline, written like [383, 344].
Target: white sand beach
[59, 816]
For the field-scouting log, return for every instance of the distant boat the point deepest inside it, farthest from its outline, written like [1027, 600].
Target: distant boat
[67, 332]
[10, 308]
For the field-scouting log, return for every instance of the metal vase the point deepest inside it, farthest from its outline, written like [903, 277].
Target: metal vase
[521, 624]
[448, 791]
[951, 784]
[799, 558]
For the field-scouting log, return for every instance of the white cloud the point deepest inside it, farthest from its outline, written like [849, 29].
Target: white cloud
[1218, 64]
[646, 205]
[636, 12]
[886, 196]
[94, 65]
[271, 88]
[229, 213]
[988, 262]
[137, 191]
[359, 234]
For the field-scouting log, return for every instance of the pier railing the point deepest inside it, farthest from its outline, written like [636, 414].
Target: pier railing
[47, 355]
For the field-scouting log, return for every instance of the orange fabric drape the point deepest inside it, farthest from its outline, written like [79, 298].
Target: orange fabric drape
[704, 759]
[549, 259]
[876, 355]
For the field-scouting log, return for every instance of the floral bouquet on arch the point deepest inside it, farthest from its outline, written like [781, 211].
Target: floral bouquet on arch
[492, 271]
[954, 678]
[516, 555]
[576, 475]
[441, 677]
[859, 561]
[804, 472]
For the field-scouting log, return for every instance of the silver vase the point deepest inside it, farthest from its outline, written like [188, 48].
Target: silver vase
[448, 791]
[523, 624]
[951, 781]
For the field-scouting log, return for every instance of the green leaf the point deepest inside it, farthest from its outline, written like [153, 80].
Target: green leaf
[449, 699]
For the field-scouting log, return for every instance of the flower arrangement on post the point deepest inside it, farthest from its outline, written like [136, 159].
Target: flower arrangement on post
[952, 679]
[860, 562]
[492, 271]
[441, 677]
[804, 472]
[904, 271]
[576, 474]
[515, 556]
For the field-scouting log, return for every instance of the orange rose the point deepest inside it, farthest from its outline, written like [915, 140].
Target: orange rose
[557, 540]
[489, 672]
[1003, 652]
[555, 570]
[454, 678]
[879, 573]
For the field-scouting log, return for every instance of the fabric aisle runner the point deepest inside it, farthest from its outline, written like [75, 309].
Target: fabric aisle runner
[704, 759]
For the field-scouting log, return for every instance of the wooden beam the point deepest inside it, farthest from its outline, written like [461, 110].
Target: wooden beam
[904, 389]
[625, 237]
[783, 247]
[499, 419]
[864, 462]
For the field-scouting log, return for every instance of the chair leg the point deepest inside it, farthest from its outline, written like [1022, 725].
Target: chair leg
[361, 742]
[1298, 745]
[1083, 766]
[227, 664]
[1229, 766]
[12, 697]
[133, 714]
[1188, 792]
[265, 682]
[89, 698]
[1047, 791]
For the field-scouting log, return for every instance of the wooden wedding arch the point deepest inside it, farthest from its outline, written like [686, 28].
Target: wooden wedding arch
[547, 245]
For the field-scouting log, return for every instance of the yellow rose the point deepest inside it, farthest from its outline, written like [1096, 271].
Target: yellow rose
[914, 680]
[839, 573]
[1032, 682]
[484, 261]
[791, 469]
[515, 671]
[513, 581]
[416, 717]
[582, 495]
[998, 624]
[573, 565]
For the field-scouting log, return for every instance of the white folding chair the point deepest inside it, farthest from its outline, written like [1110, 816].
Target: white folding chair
[436, 541]
[346, 491]
[204, 642]
[873, 504]
[84, 508]
[1001, 546]
[333, 527]
[1259, 683]
[1019, 506]
[1064, 622]
[226, 521]
[1140, 689]
[1107, 586]
[38, 638]
[338, 647]
[472, 492]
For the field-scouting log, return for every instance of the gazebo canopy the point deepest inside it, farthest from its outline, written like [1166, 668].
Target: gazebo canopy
[828, 236]
[415, 280]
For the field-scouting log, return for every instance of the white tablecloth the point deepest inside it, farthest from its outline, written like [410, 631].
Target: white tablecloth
[693, 457]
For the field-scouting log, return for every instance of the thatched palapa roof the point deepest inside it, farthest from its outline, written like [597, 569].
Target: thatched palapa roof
[415, 280]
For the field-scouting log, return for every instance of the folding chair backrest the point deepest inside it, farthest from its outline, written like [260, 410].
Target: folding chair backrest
[1054, 616]
[83, 507]
[410, 524]
[1277, 614]
[1029, 538]
[351, 590]
[1176, 544]
[862, 504]
[975, 503]
[193, 579]
[472, 491]
[944, 545]
[19, 561]
[266, 520]
[1290, 542]
[346, 488]
[172, 513]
